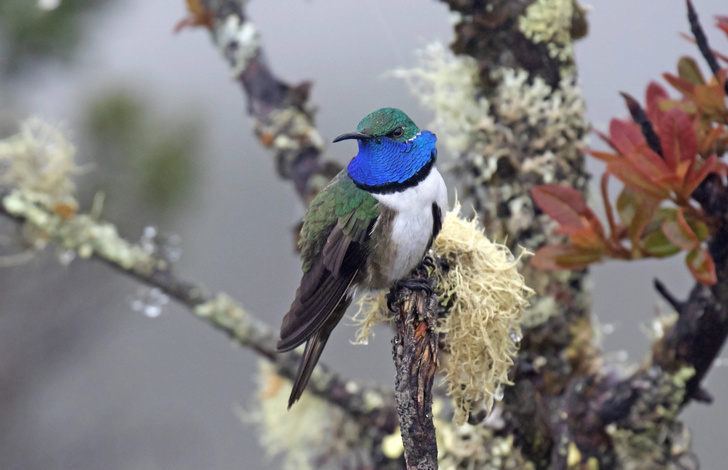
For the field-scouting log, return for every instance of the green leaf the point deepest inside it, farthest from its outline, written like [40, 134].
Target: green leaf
[701, 265]
[677, 230]
[656, 244]
[699, 228]
[627, 206]
[636, 211]
[688, 70]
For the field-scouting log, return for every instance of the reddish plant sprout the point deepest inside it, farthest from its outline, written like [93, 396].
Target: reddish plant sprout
[198, 15]
[661, 156]
[721, 21]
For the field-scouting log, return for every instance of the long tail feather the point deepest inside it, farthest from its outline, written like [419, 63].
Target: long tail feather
[314, 348]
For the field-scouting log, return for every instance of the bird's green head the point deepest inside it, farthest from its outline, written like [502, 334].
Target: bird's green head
[384, 122]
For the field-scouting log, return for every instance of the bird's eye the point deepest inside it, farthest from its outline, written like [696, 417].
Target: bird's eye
[397, 133]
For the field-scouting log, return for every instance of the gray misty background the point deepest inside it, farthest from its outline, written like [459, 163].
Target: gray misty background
[86, 382]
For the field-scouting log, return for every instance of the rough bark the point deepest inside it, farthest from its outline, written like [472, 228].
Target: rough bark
[415, 351]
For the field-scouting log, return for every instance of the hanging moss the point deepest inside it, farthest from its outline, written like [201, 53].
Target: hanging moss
[486, 296]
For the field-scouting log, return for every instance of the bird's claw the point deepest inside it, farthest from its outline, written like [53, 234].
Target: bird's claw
[415, 284]
[428, 262]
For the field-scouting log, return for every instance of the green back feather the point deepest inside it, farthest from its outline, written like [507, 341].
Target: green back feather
[341, 202]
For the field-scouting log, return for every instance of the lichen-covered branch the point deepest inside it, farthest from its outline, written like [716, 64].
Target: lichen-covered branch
[701, 328]
[283, 119]
[510, 110]
[415, 351]
[90, 238]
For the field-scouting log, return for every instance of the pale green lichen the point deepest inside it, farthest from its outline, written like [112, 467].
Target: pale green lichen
[550, 21]
[392, 445]
[655, 438]
[39, 160]
[372, 309]
[80, 233]
[474, 447]
[533, 126]
[448, 84]
[226, 313]
[312, 434]
[238, 40]
[539, 312]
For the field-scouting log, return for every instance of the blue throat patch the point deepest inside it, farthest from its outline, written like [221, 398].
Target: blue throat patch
[384, 165]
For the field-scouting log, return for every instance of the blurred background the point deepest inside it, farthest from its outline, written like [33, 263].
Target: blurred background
[96, 371]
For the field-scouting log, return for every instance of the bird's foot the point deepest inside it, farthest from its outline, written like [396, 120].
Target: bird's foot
[415, 284]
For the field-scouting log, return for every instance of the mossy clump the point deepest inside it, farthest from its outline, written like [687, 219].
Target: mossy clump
[39, 161]
[312, 434]
[485, 296]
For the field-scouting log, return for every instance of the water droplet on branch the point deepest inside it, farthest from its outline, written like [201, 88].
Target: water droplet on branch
[498, 393]
[167, 247]
[149, 301]
[608, 328]
[66, 257]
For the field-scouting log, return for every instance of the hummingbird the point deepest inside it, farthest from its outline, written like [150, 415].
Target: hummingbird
[367, 229]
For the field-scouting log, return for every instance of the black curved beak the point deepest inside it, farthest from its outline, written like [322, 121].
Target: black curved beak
[352, 135]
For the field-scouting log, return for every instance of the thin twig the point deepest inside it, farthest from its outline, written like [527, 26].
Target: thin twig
[82, 232]
[701, 39]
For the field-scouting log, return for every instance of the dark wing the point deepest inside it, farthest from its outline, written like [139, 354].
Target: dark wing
[436, 223]
[334, 247]
[326, 283]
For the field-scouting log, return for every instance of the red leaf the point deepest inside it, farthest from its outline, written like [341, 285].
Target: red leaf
[650, 164]
[696, 177]
[589, 238]
[604, 156]
[722, 23]
[677, 230]
[625, 172]
[655, 93]
[707, 142]
[683, 86]
[701, 265]
[565, 205]
[624, 135]
[677, 136]
[564, 256]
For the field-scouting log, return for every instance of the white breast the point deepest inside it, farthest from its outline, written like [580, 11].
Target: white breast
[412, 226]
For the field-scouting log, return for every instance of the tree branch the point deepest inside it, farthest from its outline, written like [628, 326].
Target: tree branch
[283, 119]
[94, 239]
[415, 352]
